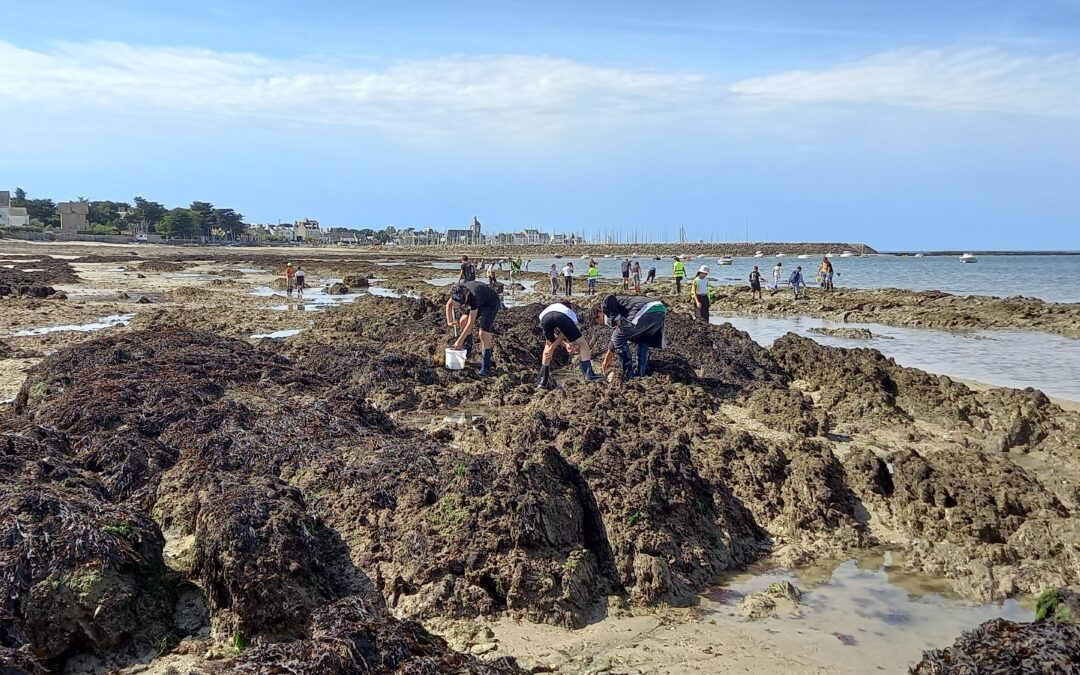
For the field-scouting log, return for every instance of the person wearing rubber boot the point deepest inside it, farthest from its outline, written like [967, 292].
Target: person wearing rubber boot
[560, 325]
[636, 319]
[479, 304]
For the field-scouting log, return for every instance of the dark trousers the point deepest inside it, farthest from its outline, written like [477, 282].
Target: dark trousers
[554, 286]
[678, 285]
[703, 311]
[569, 286]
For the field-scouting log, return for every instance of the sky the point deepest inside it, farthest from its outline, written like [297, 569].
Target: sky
[906, 125]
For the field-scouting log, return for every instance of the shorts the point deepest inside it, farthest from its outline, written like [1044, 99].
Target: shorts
[755, 286]
[592, 283]
[564, 324]
[625, 275]
[486, 317]
[299, 282]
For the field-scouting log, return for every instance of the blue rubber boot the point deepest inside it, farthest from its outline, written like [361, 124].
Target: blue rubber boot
[642, 359]
[485, 368]
[587, 371]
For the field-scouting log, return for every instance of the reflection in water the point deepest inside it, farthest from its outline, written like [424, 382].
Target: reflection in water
[1007, 358]
[871, 604]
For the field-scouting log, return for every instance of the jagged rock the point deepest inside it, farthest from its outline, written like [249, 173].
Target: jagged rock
[337, 289]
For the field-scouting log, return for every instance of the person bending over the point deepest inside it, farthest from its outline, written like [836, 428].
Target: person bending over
[560, 324]
[479, 304]
[636, 319]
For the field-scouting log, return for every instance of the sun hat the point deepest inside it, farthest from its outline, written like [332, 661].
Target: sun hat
[703, 268]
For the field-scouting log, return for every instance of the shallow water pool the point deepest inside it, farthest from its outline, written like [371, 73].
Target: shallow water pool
[100, 324]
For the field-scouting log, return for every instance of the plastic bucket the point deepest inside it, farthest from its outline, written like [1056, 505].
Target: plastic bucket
[455, 358]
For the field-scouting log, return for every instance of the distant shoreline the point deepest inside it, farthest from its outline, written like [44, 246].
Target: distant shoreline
[976, 253]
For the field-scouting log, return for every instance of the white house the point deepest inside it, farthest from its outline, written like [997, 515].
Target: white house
[12, 216]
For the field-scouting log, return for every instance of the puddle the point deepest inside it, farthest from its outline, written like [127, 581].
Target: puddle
[454, 416]
[392, 264]
[33, 269]
[1006, 358]
[250, 270]
[872, 606]
[278, 334]
[66, 257]
[442, 281]
[100, 324]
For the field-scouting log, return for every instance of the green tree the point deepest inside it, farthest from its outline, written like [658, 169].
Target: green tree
[105, 212]
[44, 210]
[148, 212]
[230, 222]
[176, 223]
[20, 197]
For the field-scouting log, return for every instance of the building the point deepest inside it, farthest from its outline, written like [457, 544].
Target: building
[307, 229]
[73, 216]
[11, 216]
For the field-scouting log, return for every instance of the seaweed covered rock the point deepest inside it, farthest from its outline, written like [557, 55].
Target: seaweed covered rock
[448, 533]
[19, 662]
[160, 266]
[973, 517]
[786, 410]
[79, 572]
[1001, 647]
[351, 636]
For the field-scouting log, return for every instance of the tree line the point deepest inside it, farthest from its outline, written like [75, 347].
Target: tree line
[198, 219]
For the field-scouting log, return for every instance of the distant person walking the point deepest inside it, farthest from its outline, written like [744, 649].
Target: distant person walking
[701, 293]
[468, 271]
[290, 278]
[755, 284]
[796, 281]
[635, 272]
[679, 272]
[300, 280]
[594, 276]
[568, 279]
[777, 270]
[651, 277]
[625, 268]
[554, 274]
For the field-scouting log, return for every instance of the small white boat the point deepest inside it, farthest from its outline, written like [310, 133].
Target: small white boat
[804, 256]
[846, 254]
[968, 258]
[829, 255]
[918, 255]
[607, 255]
[584, 257]
[725, 260]
[759, 254]
[780, 255]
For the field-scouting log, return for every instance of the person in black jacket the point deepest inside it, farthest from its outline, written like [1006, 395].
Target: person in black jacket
[479, 304]
[636, 319]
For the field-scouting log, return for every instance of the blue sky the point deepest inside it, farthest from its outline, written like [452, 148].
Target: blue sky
[908, 125]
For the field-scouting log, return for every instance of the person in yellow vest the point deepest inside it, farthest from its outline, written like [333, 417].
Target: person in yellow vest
[680, 272]
[594, 276]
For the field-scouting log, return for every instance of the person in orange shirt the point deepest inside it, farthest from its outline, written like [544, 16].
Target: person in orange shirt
[290, 277]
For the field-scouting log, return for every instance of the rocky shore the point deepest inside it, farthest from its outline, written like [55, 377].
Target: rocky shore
[178, 494]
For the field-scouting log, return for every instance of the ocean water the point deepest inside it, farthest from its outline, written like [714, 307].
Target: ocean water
[1050, 278]
[1006, 358]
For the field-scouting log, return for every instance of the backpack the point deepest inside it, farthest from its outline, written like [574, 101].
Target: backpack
[470, 272]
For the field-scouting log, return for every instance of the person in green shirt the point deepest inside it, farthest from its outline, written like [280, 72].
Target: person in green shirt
[680, 272]
[594, 276]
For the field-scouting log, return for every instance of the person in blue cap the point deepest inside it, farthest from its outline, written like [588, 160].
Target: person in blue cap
[478, 303]
[636, 319]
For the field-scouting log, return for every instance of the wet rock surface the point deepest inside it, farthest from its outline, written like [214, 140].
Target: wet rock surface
[1000, 647]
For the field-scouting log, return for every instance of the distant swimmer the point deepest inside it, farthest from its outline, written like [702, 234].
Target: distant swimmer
[637, 319]
[560, 324]
[755, 284]
[479, 303]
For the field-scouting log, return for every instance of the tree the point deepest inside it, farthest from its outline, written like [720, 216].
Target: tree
[230, 222]
[44, 210]
[20, 197]
[105, 212]
[148, 212]
[176, 223]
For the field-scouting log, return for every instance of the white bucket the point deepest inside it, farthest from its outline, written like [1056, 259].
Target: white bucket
[455, 358]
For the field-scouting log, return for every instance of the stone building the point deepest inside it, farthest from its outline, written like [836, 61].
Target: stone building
[73, 216]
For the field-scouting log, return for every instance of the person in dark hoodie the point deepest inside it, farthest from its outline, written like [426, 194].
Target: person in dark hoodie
[479, 303]
[636, 319]
[560, 324]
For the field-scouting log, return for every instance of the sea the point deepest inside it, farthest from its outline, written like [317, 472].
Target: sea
[1053, 278]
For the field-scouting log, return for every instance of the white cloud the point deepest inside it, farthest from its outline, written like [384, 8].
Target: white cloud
[522, 95]
[988, 80]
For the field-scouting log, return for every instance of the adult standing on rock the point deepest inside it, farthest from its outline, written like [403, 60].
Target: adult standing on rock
[290, 275]
[554, 274]
[594, 276]
[701, 293]
[777, 270]
[300, 276]
[568, 278]
[679, 272]
[560, 324]
[755, 284]
[625, 269]
[636, 319]
[796, 281]
[479, 303]
[826, 272]
[635, 271]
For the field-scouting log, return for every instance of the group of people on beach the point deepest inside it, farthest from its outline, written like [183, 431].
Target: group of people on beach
[492, 267]
[295, 279]
[636, 320]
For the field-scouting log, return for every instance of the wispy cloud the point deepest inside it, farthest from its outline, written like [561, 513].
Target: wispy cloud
[498, 94]
[988, 80]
